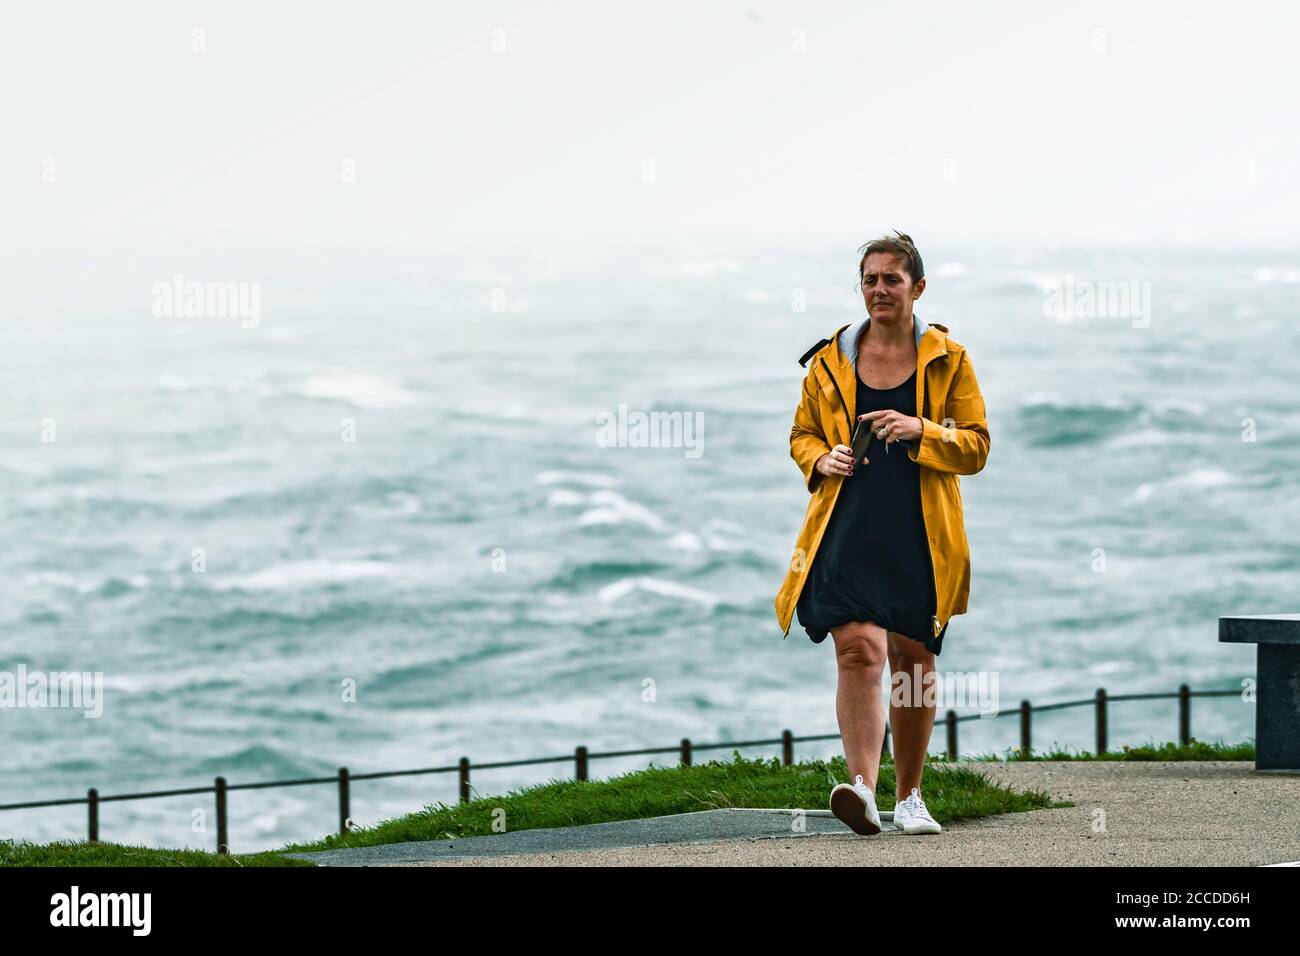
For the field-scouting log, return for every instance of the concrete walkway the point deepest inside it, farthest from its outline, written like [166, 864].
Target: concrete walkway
[1125, 814]
[680, 828]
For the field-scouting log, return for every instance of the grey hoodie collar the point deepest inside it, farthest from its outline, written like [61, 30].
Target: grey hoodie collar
[850, 336]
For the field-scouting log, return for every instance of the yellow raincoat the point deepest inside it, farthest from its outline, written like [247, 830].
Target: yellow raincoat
[955, 441]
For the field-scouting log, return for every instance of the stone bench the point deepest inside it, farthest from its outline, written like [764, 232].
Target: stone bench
[1277, 684]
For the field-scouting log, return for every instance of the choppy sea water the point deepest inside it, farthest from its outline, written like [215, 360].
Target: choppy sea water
[496, 580]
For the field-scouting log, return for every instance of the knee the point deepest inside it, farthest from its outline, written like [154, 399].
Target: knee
[860, 652]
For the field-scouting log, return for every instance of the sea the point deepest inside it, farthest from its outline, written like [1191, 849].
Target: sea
[501, 506]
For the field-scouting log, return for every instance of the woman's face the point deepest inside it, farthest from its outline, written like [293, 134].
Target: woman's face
[887, 289]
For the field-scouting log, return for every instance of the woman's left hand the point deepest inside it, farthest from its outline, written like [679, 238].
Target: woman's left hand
[893, 426]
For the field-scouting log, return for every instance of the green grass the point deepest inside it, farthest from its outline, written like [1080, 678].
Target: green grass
[70, 853]
[952, 792]
[1193, 750]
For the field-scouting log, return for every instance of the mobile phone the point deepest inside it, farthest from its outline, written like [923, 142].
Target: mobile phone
[861, 439]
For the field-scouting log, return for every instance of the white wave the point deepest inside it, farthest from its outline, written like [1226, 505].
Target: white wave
[562, 497]
[1190, 406]
[669, 589]
[717, 542]
[1058, 400]
[1145, 438]
[136, 684]
[723, 535]
[613, 508]
[1109, 667]
[1203, 478]
[59, 579]
[576, 478]
[296, 574]
[1193, 480]
[363, 391]
[265, 824]
[170, 679]
[404, 502]
[686, 541]
[605, 516]
[1042, 398]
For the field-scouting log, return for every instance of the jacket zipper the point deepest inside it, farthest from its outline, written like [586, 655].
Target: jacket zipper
[843, 404]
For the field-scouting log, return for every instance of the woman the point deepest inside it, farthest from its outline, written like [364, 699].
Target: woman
[882, 562]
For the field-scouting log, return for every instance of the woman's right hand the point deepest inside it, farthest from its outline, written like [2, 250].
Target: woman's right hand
[837, 461]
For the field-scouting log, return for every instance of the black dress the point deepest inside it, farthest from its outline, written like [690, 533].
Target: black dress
[873, 563]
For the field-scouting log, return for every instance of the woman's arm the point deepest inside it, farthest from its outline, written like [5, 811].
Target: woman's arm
[963, 448]
[807, 441]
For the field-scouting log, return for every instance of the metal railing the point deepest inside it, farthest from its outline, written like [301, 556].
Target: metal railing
[581, 757]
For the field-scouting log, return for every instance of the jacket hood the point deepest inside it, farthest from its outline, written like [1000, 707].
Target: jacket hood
[848, 336]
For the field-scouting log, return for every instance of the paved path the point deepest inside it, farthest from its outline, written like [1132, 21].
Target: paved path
[1126, 814]
[678, 829]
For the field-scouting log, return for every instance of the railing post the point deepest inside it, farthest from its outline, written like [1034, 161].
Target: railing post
[1026, 743]
[787, 747]
[464, 780]
[344, 801]
[686, 751]
[580, 760]
[223, 840]
[1101, 721]
[1184, 714]
[952, 734]
[92, 812]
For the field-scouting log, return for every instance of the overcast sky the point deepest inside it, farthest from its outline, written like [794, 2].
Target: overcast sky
[467, 121]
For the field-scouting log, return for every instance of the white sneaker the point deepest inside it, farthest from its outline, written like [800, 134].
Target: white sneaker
[856, 806]
[911, 816]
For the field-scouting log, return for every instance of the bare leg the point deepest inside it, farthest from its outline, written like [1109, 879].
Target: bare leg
[913, 723]
[860, 658]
